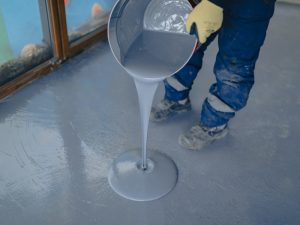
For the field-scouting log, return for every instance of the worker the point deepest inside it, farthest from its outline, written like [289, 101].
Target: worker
[241, 27]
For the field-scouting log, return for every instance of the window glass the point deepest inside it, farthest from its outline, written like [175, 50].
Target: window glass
[85, 16]
[24, 37]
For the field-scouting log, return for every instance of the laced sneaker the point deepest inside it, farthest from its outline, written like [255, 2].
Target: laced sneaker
[199, 136]
[167, 108]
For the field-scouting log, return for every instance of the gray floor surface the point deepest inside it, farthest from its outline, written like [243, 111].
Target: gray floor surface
[60, 134]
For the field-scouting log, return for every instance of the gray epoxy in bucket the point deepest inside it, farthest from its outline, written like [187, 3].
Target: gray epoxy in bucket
[149, 41]
[152, 32]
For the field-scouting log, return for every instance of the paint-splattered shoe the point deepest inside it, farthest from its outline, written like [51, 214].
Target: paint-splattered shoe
[166, 109]
[199, 136]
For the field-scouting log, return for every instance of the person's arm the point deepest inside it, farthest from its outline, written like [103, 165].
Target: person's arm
[207, 16]
[218, 2]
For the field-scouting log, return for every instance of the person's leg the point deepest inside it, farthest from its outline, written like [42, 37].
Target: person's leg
[240, 40]
[178, 86]
[239, 46]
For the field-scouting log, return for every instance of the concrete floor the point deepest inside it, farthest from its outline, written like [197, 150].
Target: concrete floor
[60, 134]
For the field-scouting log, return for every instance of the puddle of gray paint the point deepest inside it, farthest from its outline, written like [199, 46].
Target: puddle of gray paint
[128, 178]
[153, 50]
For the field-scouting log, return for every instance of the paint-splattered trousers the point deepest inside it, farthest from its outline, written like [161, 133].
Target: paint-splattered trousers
[240, 38]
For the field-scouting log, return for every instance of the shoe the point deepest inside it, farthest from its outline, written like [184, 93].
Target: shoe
[199, 136]
[166, 109]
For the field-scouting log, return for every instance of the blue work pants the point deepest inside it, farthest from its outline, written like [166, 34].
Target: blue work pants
[240, 38]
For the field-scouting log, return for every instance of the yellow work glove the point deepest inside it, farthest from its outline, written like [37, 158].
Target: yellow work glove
[208, 19]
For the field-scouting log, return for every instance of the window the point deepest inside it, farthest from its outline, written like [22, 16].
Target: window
[36, 36]
[83, 17]
[25, 39]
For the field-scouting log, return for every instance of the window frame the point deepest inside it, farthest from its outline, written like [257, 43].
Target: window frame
[61, 47]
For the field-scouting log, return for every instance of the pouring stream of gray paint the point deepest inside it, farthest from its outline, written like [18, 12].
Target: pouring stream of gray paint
[146, 93]
[148, 40]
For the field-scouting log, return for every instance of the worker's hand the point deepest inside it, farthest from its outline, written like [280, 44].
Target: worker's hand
[207, 18]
